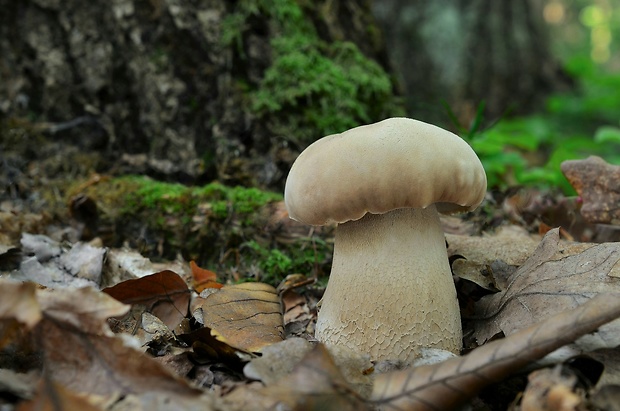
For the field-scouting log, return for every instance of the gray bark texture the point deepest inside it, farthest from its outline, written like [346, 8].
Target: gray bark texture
[158, 86]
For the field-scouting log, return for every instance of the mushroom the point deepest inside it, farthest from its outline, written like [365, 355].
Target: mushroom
[390, 291]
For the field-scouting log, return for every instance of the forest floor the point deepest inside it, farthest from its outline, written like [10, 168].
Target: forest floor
[65, 342]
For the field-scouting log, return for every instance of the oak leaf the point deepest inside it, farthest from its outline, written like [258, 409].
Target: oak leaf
[547, 284]
[245, 316]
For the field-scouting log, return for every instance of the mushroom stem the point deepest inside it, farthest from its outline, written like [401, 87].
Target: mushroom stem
[390, 291]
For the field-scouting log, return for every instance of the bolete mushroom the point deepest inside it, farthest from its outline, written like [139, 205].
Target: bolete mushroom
[390, 291]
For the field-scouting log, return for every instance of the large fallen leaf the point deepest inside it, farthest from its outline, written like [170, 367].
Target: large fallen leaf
[245, 316]
[77, 350]
[83, 309]
[487, 259]
[446, 385]
[18, 302]
[279, 359]
[546, 284]
[164, 294]
[315, 383]
[598, 184]
[82, 353]
[511, 244]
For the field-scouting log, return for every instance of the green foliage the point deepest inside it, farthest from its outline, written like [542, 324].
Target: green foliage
[275, 264]
[312, 88]
[529, 150]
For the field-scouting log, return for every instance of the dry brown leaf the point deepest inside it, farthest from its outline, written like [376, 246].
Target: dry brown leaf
[511, 244]
[446, 385]
[314, 384]
[545, 285]
[295, 307]
[480, 274]
[46, 262]
[84, 309]
[83, 355]
[203, 278]
[607, 398]
[18, 302]
[164, 294]
[552, 389]
[245, 316]
[598, 184]
[206, 345]
[277, 360]
[489, 259]
[124, 264]
[52, 397]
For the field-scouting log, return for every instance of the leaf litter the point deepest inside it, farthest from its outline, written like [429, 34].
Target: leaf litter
[195, 359]
[550, 282]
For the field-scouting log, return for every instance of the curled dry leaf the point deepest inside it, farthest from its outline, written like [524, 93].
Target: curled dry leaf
[546, 284]
[446, 385]
[203, 278]
[598, 184]
[245, 316]
[18, 302]
[206, 345]
[81, 353]
[164, 294]
[83, 309]
[486, 260]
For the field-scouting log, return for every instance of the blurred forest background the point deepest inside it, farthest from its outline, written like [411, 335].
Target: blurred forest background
[231, 91]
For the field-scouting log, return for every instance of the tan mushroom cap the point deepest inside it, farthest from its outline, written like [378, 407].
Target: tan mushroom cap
[376, 168]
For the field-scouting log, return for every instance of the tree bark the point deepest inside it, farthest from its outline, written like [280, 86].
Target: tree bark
[160, 86]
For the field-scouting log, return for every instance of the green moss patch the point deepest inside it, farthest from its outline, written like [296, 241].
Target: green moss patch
[227, 229]
[312, 88]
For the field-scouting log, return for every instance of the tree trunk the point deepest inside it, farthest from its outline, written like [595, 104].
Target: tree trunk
[466, 52]
[174, 89]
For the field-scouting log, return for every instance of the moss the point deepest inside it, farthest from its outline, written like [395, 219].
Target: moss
[172, 198]
[305, 256]
[312, 88]
[204, 223]
[273, 263]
